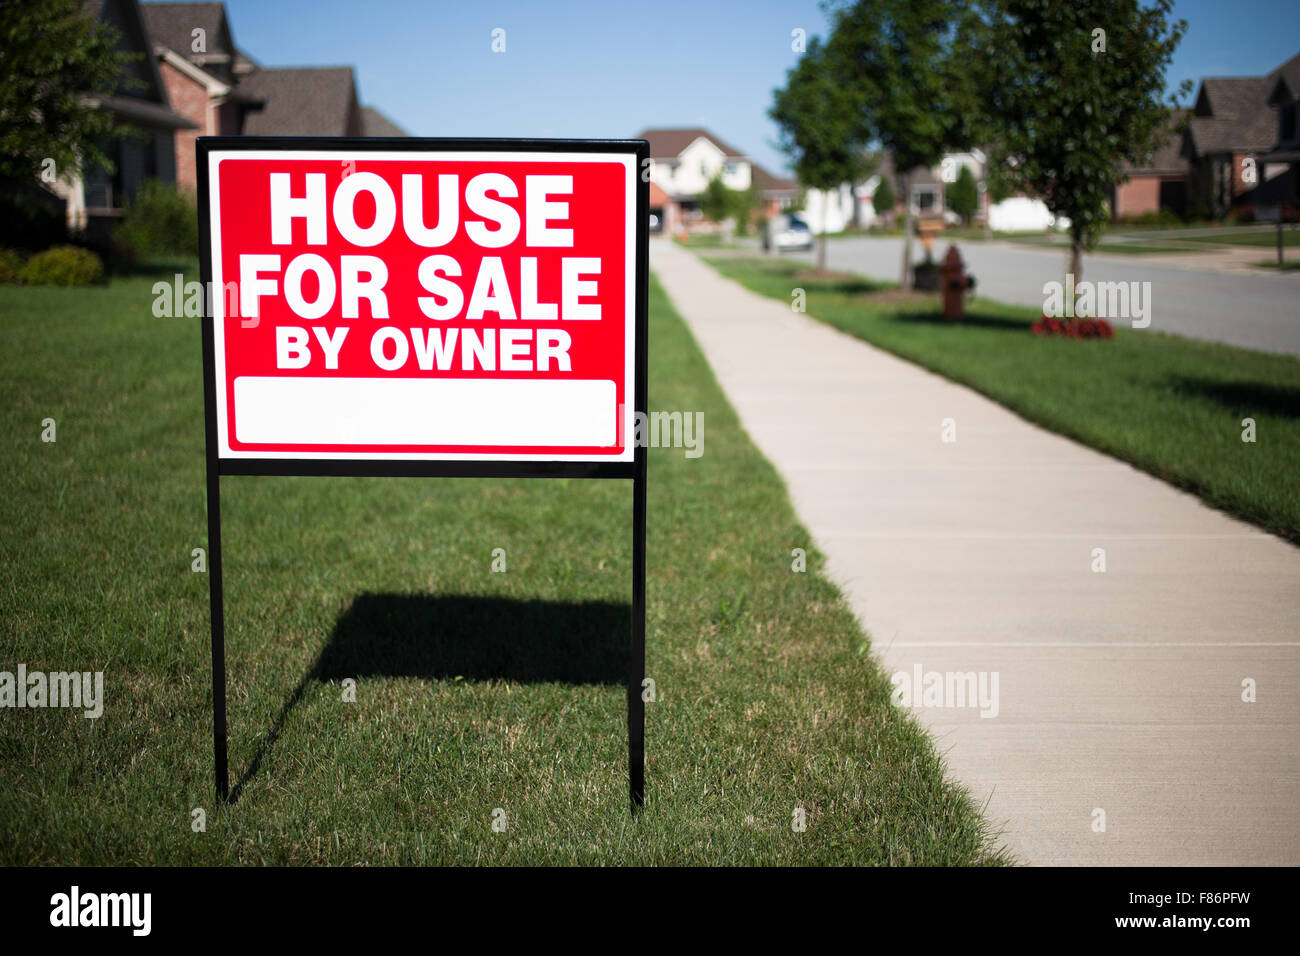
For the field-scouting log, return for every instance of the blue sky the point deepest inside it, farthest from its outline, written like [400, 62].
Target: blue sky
[610, 68]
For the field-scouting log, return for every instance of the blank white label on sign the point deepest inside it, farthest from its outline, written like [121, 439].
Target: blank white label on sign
[425, 411]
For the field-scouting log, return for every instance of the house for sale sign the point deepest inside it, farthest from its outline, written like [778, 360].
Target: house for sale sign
[430, 301]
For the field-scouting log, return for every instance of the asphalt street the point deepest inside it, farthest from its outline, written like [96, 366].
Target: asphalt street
[1191, 295]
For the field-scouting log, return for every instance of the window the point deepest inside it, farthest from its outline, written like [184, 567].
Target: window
[1288, 122]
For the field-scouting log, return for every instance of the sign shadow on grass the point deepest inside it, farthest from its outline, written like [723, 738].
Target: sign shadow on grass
[1247, 398]
[471, 638]
[993, 323]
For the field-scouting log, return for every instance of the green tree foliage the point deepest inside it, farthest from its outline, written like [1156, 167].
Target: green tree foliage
[161, 220]
[52, 54]
[716, 202]
[963, 195]
[819, 127]
[884, 198]
[905, 65]
[1069, 106]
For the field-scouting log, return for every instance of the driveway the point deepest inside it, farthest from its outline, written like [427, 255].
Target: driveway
[1190, 295]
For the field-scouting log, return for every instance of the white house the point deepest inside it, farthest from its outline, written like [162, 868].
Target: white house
[850, 205]
[685, 160]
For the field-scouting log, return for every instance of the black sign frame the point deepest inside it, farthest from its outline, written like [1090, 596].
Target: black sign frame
[634, 470]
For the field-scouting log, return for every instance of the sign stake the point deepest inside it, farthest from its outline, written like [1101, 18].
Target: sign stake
[635, 700]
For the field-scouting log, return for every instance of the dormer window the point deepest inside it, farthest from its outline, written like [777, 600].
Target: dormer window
[1288, 122]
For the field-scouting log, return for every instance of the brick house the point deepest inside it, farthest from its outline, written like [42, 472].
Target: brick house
[1282, 191]
[221, 90]
[1160, 184]
[200, 66]
[1233, 127]
[93, 200]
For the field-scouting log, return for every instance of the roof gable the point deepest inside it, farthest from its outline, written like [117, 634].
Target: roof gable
[1232, 115]
[1284, 82]
[669, 143]
[172, 25]
[125, 17]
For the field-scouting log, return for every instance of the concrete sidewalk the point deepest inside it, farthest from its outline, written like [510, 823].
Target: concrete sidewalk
[1118, 691]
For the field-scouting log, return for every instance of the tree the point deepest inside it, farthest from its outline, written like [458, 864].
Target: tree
[819, 129]
[744, 202]
[884, 200]
[52, 54]
[963, 196]
[719, 202]
[905, 66]
[716, 202]
[1074, 91]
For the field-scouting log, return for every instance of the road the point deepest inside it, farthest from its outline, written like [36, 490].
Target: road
[1141, 715]
[1191, 295]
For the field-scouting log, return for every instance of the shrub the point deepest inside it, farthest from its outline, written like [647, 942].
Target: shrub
[161, 220]
[11, 266]
[63, 265]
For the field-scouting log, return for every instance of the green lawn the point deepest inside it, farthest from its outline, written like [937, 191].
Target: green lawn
[1267, 238]
[705, 240]
[476, 690]
[1171, 406]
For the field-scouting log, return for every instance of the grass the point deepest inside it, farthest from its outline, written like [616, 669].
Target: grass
[475, 690]
[1286, 266]
[705, 240]
[1290, 238]
[1171, 406]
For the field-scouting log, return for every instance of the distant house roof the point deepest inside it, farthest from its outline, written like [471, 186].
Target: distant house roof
[769, 184]
[667, 143]
[1167, 158]
[375, 123]
[1288, 75]
[307, 101]
[1232, 113]
[143, 98]
[172, 25]
[244, 63]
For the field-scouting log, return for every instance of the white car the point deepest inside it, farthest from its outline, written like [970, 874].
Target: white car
[793, 236]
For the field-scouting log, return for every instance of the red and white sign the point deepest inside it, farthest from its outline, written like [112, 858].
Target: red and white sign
[429, 305]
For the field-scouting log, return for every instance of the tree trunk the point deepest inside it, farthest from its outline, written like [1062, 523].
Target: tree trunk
[821, 252]
[1076, 259]
[907, 229]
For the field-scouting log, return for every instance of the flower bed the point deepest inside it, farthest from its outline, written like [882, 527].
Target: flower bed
[1074, 328]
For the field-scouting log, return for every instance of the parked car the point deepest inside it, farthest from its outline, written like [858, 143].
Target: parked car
[790, 234]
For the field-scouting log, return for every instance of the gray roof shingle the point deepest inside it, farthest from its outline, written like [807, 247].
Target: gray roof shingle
[173, 24]
[307, 101]
[375, 123]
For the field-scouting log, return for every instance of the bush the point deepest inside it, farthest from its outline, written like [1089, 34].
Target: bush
[11, 266]
[963, 196]
[161, 220]
[883, 201]
[63, 265]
